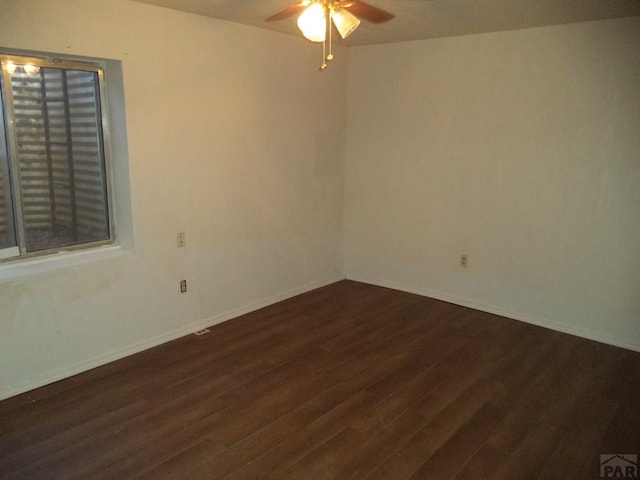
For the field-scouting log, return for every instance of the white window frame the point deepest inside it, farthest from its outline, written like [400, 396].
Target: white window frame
[19, 252]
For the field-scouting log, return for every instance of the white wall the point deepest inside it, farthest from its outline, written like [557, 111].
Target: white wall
[233, 137]
[520, 149]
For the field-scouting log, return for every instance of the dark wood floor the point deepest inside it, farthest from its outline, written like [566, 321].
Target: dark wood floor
[347, 382]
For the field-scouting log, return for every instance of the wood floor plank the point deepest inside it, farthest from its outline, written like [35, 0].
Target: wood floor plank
[352, 454]
[19, 456]
[531, 457]
[483, 465]
[458, 450]
[184, 461]
[297, 446]
[110, 446]
[437, 430]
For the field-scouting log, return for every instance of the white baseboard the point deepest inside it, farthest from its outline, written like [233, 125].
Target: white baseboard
[111, 356]
[503, 312]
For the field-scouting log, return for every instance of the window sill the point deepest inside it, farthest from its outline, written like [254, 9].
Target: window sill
[58, 261]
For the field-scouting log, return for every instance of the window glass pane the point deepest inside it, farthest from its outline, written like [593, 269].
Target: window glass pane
[7, 232]
[60, 158]
[7, 228]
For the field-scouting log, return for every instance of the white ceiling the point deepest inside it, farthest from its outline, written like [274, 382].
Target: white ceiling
[421, 19]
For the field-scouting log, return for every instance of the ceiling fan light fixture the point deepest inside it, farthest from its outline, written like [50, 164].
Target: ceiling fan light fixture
[345, 22]
[315, 18]
[313, 23]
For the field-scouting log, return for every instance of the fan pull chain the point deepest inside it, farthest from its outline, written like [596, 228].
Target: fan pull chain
[324, 65]
[330, 56]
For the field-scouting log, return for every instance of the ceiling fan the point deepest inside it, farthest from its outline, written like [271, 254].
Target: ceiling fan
[316, 17]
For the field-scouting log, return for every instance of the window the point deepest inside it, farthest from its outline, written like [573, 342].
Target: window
[54, 185]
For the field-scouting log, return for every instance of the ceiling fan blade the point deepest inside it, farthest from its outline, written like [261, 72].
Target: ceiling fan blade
[287, 12]
[369, 12]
